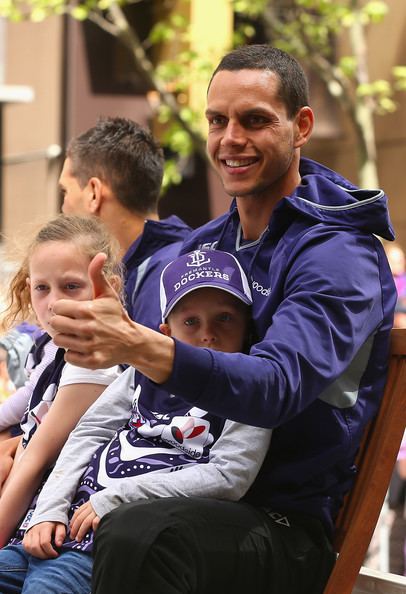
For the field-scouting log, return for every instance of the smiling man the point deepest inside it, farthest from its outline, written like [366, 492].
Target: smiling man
[323, 301]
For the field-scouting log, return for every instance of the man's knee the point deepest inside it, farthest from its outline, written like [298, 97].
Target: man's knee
[139, 524]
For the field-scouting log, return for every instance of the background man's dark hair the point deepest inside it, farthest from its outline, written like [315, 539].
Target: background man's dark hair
[125, 156]
[293, 88]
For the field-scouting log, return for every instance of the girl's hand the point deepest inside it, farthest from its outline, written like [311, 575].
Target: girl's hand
[6, 464]
[43, 539]
[8, 449]
[84, 519]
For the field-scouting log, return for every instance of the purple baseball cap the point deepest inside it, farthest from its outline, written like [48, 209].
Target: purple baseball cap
[208, 268]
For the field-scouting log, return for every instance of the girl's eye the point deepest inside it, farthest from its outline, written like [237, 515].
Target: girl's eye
[40, 288]
[72, 286]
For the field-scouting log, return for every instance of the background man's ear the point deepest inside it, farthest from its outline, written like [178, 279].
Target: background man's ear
[165, 329]
[96, 198]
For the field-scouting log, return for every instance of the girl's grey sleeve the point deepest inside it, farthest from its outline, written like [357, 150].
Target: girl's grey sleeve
[97, 426]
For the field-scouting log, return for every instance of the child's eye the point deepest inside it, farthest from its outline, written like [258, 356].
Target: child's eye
[40, 288]
[191, 321]
[224, 317]
[72, 286]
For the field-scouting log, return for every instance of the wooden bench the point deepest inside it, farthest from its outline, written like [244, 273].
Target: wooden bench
[370, 581]
[376, 459]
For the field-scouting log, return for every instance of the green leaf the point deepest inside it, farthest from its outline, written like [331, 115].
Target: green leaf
[80, 12]
[172, 174]
[250, 8]
[38, 14]
[364, 90]
[178, 20]
[161, 32]
[348, 65]
[164, 114]
[375, 10]
[399, 71]
[386, 105]
[381, 87]
[187, 115]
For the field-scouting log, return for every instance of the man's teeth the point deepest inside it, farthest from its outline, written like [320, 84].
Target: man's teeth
[239, 162]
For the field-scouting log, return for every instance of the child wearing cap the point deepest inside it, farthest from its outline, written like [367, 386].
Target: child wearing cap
[140, 442]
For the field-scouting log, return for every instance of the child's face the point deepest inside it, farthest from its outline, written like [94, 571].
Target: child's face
[58, 270]
[210, 318]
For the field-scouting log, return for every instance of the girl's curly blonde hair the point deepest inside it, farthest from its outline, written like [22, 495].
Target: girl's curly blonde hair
[88, 234]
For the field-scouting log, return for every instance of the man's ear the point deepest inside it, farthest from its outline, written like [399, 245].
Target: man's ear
[304, 121]
[96, 195]
[165, 329]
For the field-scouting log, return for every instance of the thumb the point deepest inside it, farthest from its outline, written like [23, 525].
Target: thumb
[101, 286]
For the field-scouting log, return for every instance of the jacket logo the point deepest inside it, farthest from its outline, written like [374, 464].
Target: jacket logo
[260, 289]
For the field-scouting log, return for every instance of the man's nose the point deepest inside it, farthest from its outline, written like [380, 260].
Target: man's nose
[233, 134]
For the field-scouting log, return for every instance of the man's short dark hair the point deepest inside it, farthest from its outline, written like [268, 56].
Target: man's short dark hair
[293, 87]
[125, 156]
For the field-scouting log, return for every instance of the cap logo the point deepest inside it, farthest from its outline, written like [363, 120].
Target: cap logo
[197, 258]
[202, 269]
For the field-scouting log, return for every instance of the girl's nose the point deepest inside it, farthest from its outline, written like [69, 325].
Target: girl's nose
[54, 296]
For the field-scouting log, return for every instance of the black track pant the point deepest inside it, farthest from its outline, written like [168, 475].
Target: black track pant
[206, 546]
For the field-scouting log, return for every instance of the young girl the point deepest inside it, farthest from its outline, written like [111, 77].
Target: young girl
[56, 267]
[139, 441]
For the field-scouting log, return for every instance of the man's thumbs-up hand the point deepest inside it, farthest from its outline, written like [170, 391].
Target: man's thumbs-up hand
[99, 333]
[89, 329]
[101, 286]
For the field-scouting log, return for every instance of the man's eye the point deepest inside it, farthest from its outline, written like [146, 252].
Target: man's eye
[216, 121]
[256, 120]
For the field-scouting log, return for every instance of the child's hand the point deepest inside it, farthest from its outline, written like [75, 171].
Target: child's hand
[8, 449]
[6, 464]
[83, 519]
[43, 539]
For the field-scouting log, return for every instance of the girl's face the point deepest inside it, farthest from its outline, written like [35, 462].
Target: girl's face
[58, 270]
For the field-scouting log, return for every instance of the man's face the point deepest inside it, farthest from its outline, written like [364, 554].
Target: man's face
[251, 140]
[74, 197]
[209, 318]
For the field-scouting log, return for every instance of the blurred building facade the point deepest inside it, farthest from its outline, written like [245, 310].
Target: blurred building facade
[72, 73]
